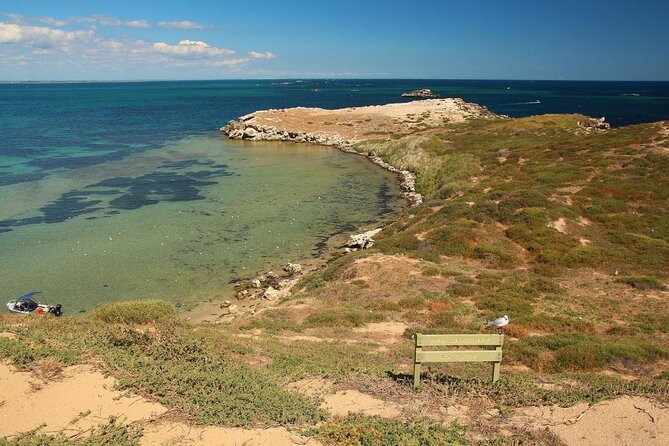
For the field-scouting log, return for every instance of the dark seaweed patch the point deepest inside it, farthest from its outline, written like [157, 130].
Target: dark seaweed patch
[6, 180]
[155, 187]
[75, 162]
[129, 193]
[188, 163]
[384, 198]
[70, 204]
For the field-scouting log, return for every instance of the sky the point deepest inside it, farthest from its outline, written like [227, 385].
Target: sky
[463, 39]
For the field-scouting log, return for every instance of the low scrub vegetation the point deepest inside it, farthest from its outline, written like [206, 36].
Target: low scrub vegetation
[135, 312]
[362, 430]
[110, 433]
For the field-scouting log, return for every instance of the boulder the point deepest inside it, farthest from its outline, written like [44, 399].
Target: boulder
[249, 133]
[362, 241]
[293, 268]
[502, 153]
[283, 284]
[270, 293]
[255, 283]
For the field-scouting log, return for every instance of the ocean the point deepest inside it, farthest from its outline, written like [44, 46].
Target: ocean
[126, 190]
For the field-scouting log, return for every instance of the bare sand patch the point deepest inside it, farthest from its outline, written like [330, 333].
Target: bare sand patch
[623, 421]
[345, 401]
[84, 398]
[312, 386]
[81, 390]
[559, 225]
[384, 332]
[7, 335]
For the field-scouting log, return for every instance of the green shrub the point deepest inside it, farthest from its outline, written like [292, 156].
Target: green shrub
[111, 433]
[583, 256]
[513, 299]
[135, 312]
[563, 352]
[23, 354]
[363, 430]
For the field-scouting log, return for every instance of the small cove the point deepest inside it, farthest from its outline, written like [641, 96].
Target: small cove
[182, 222]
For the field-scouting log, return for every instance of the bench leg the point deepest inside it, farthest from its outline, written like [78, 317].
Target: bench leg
[416, 375]
[495, 371]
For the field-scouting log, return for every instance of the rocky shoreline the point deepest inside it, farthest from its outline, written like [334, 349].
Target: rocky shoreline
[244, 128]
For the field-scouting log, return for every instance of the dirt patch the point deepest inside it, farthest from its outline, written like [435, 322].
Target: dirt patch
[84, 398]
[8, 335]
[559, 225]
[626, 420]
[386, 277]
[60, 404]
[312, 386]
[383, 332]
[345, 401]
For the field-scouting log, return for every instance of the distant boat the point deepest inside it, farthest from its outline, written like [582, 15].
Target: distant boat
[524, 103]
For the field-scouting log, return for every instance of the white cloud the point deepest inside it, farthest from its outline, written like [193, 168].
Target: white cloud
[100, 19]
[42, 37]
[113, 21]
[265, 55]
[228, 62]
[14, 18]
[104, 20]
[191, 49]
[54, 22]
[182, 24]
[51, 45]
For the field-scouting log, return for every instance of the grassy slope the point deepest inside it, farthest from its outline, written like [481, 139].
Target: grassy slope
[484, 243]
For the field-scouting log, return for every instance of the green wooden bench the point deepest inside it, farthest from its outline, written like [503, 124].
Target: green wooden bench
[494, 355]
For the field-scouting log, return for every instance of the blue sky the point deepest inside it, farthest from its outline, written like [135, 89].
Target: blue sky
[203, 39]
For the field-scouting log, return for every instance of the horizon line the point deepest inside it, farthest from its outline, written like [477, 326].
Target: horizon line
[53, 81]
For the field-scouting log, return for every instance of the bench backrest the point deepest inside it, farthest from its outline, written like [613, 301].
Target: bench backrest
[493, 341]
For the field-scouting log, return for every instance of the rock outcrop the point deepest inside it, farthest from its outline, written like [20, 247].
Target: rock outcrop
[424, 93]
[293, 268]
[594, 125]
[361, 241]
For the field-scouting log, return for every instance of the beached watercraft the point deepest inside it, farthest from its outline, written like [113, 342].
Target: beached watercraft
[26, 305]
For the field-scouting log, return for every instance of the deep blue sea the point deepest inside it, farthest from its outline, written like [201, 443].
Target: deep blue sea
[127, 190]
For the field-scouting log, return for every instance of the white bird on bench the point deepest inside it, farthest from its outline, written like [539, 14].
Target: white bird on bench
[499, 323]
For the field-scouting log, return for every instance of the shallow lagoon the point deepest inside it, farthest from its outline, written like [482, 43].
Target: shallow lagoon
[181, 222]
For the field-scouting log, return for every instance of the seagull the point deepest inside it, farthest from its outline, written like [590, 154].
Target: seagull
[498, 323]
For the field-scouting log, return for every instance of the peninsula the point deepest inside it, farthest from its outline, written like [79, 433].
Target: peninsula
[558, 221]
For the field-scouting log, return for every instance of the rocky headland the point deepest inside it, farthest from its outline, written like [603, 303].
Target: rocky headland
[345, 128]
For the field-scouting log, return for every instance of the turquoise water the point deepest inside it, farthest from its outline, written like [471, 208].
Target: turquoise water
[181, 222]
[114, 191]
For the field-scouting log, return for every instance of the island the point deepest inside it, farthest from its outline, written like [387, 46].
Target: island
[424, 93]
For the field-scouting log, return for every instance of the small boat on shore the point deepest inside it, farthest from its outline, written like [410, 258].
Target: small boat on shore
[26, 305]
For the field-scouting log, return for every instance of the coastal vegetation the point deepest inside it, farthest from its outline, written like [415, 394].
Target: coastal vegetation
[561, 225]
